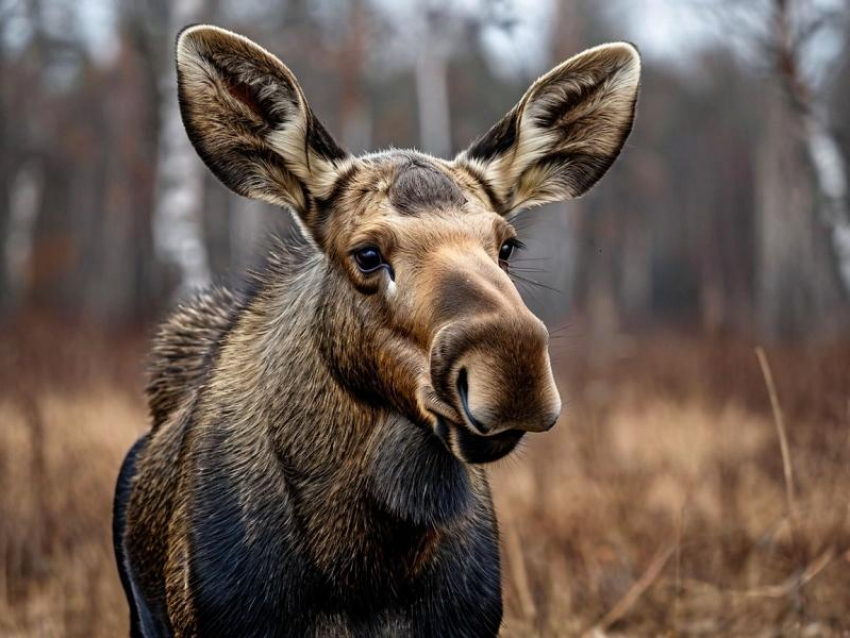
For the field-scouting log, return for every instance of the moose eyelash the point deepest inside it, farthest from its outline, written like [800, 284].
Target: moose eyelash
[518, 244]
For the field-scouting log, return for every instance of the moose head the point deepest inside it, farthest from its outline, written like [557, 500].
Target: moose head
[420, 313]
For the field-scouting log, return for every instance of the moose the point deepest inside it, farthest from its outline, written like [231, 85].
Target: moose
[316, 460]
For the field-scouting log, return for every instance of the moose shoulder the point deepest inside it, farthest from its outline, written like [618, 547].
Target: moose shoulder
[315, 464]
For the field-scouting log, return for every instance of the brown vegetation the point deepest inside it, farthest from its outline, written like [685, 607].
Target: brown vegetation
[658, 505]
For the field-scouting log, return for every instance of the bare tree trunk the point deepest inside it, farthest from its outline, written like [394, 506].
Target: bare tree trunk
[177, 228]
[798, 292]
[354, 115]
[830, 171]
[24, 203]
[432, 97]
[24, 184]
[124, 252]
[6, 152]
[636, 272]
[824, 155]
[804, 262]
[438, 35]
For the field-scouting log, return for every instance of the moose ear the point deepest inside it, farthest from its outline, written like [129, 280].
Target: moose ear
[564, 133]
[248, 120]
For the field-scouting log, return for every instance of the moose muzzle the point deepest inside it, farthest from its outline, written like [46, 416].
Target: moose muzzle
[495, 371]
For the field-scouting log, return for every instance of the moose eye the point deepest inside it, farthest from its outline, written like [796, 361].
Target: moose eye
[507, 250]
[368, 259]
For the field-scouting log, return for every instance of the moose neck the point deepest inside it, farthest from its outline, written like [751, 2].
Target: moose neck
[357, 468]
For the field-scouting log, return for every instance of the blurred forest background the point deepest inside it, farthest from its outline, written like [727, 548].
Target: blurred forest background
[729, 212]
[662, 503]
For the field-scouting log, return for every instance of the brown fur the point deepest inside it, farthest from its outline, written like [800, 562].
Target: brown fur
[182, 349]
[315, 461]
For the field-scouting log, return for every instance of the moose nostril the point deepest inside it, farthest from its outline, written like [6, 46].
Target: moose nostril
[463, 391]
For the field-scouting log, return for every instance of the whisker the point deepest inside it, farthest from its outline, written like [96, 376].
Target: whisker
[570, 328]
[527, 289]
[514, 268]
[536, 283]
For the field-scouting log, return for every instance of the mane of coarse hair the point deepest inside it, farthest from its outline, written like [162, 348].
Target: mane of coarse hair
[288, 255]
[183, 347]
[187, 342]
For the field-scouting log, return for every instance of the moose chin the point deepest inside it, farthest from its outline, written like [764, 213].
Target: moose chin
[316, 461]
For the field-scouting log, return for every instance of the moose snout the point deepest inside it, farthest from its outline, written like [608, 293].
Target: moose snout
[485, 421]
[497, 375]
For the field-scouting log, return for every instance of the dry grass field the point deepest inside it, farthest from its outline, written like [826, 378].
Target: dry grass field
[660, 504]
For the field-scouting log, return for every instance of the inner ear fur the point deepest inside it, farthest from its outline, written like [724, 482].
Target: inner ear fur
[564, 133]
[247, 117]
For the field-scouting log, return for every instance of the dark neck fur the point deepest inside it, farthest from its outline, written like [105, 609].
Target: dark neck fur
[359, 474]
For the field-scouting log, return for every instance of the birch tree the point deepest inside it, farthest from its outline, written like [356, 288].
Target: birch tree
[820, 250]
[426, 35]
[177, 228]
[5, 157]
[22, 185]
[802, 199]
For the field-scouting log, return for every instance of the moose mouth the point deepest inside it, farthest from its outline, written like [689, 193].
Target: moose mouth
[474, 448]
[467, 438]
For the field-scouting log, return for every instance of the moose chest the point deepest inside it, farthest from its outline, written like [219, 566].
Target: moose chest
[278, 566]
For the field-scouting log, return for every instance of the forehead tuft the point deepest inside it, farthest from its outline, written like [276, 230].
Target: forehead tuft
[420, 186]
